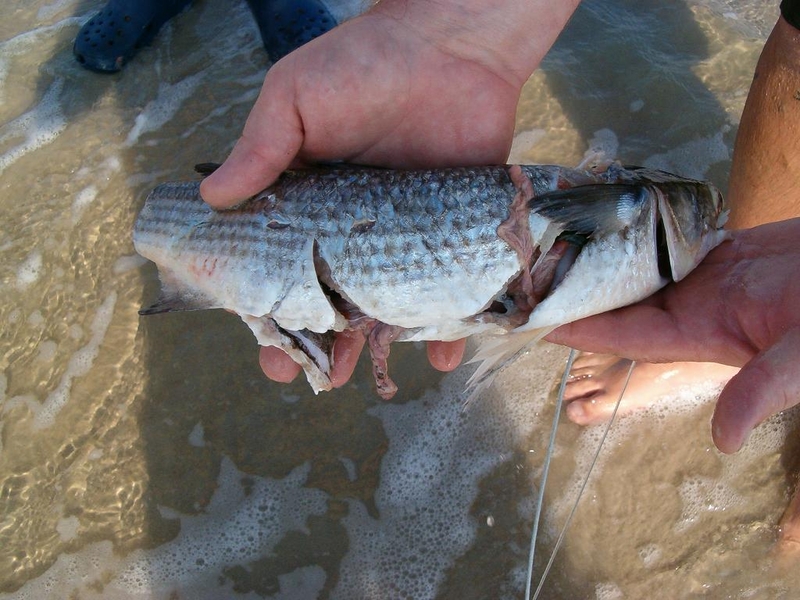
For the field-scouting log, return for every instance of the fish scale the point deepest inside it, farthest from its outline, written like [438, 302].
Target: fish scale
[425, 255]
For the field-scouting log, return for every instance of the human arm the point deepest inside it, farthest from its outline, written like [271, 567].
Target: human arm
[411, 83]
[765, 171]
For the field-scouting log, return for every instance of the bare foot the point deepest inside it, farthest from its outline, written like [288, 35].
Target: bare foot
[597, 379]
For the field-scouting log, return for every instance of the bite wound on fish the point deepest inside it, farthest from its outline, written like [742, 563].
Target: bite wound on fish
[513, 251]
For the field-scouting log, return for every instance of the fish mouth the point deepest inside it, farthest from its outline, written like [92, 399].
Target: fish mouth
[689, 220]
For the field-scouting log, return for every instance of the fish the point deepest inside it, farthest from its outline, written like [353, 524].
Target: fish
[512, 251]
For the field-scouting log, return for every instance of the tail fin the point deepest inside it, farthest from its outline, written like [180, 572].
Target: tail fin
[495, 353]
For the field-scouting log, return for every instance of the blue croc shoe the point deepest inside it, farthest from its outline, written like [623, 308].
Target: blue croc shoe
[288, 24]
[110, 38]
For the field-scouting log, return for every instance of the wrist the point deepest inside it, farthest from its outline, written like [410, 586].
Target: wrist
[509, 37]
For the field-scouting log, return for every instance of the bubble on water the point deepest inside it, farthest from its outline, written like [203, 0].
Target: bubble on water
[28, 400]
[650, 554]
[305, 582]
[128, 263]
[604, 143]
[608, 591]
[438, 452]
[236, 527]
[350, 467]
[288, 397]
[83, 199]
[701, 495]
[67, 528]
[636, 105]
[36, 319]
[685, 398]
[30, 270]
[25, 42]
[770, 435]
[196, 436]
[47, 351]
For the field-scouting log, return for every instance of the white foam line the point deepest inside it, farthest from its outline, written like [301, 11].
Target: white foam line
[237, 526]
[79, 364]
[248, 97]
[23, 42]
[39, 126]
[48, 10]
[234, 528]
[161, 110]
[83, 199]
[433, 459]
[692, 158]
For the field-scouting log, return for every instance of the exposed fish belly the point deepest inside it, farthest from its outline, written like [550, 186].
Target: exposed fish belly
[423, 255]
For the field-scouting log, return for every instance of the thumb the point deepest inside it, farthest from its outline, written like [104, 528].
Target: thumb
[272, 137]
[767, 385]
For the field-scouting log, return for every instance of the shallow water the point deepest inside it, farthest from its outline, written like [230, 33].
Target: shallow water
[148, 458]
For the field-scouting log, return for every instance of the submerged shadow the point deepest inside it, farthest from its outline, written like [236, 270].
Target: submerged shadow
[631, 67]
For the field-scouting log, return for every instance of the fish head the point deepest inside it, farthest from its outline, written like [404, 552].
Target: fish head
[690, 221]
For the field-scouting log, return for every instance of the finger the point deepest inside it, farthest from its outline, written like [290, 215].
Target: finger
[446, 356]
[277, 365]
[767, 385]
[346, 350]
[626, 332]
[648, 332]
[272, 137]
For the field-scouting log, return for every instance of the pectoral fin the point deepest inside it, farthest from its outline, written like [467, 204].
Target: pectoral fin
[592, 209]
[494, 353]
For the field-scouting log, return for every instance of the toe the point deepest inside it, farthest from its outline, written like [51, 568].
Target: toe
[581, 389]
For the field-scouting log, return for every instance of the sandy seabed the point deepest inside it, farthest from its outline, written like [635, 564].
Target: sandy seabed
[148, 458]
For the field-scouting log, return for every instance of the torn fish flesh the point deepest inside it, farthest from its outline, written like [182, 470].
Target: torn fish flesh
[426, 254]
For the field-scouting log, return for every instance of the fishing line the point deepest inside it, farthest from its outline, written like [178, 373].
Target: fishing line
[583, 486]
[547, 458]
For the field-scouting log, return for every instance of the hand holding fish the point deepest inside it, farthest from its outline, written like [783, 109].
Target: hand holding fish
[422, 255]
[405, 85]
[739, 307]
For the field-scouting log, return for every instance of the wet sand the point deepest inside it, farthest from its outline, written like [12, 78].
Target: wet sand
[149, 458]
